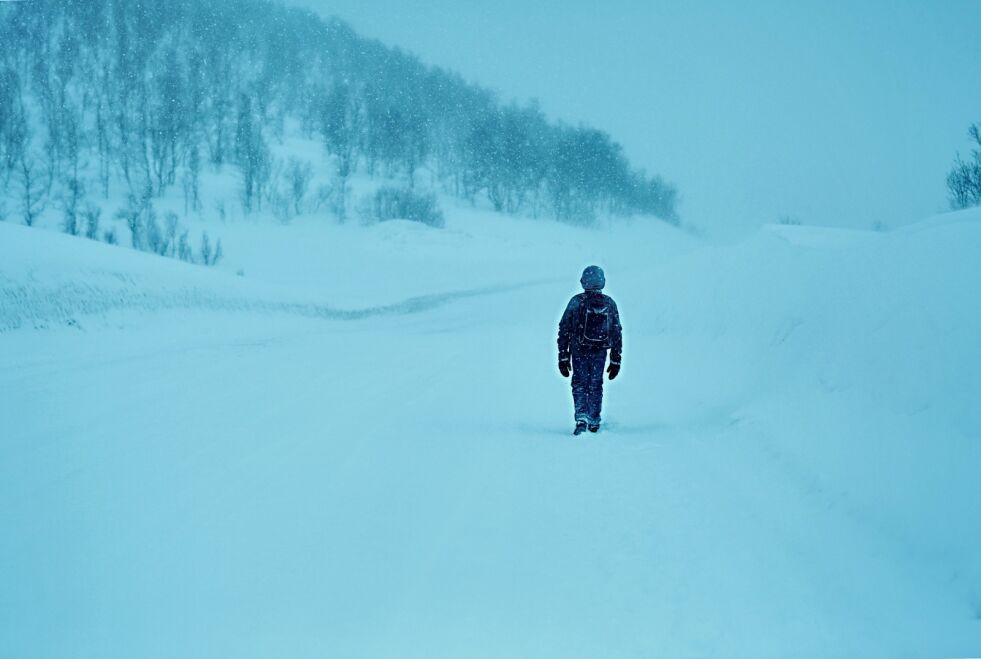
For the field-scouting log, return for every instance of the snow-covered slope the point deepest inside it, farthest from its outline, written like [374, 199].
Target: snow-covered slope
[360, 447]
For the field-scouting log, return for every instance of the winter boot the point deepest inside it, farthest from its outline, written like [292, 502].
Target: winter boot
[593, 427]
[580, 428]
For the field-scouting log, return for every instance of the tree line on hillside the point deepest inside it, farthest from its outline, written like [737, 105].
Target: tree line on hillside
[151, 93]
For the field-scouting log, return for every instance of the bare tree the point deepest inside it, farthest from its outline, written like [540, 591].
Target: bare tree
[252, 156]
[339, 119]
[299, 175]
[74, 188]
[209, 255]
[32, 190]
[964, 180]
[92, 214]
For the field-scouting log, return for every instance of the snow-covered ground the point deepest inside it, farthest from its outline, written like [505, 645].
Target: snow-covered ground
[353, 441]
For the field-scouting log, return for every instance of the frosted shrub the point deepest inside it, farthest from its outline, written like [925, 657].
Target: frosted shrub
[322, 198]
[169, 247]
[170, 240]
[132, 219]
[92, 214]
[209, 255]
[184, 251]
[391, 203]
[32, 190]
[70, 223]
[298, 175]
[74, 191]
[281, 206]
[205, 248]
[331, 198]
[156, 242]
[162, 241]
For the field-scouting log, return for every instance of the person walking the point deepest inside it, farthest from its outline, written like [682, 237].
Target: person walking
[589, 330]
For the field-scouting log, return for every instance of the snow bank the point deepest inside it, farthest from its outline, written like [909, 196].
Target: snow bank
[51, 279]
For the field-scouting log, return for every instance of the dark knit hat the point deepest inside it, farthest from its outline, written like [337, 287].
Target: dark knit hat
[593, 278]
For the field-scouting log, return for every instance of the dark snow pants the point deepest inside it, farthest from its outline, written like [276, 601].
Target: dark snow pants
[587, 384]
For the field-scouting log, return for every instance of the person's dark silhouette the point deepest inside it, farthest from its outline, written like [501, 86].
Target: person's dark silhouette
[590, 327]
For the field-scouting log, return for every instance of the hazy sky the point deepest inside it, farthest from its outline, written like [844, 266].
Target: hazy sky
[834, 112]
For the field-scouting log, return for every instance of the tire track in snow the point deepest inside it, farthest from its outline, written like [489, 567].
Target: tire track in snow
[38, 306]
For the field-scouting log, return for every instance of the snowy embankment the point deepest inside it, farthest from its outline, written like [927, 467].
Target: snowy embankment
[361, 448]
[61, 289]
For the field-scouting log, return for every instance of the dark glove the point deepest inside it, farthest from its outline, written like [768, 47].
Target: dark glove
[613, 369]
[564, 367]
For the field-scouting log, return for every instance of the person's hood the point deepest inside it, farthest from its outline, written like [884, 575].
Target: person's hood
[593, 278]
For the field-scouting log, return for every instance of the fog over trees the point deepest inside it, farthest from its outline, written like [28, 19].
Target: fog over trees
[148, 93]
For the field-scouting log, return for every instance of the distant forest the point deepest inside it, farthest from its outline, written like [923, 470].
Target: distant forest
[150, 92]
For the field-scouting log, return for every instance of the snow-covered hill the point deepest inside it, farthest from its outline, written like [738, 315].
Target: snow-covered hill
[350, 441]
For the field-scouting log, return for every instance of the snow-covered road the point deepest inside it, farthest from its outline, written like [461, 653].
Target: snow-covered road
[779, 475]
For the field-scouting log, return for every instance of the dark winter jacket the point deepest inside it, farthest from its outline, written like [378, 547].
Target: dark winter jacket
[573, 323]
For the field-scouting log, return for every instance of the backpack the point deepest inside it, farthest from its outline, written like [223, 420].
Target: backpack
[597, 325]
